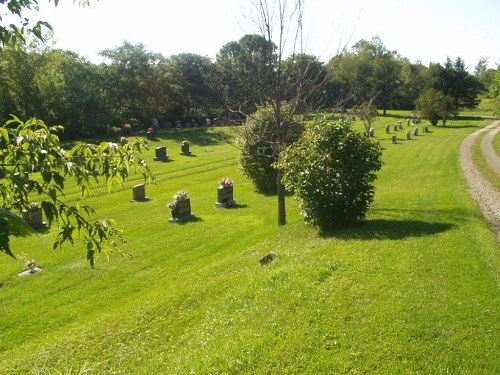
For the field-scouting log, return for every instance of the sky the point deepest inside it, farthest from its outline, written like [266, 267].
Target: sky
[423, 30]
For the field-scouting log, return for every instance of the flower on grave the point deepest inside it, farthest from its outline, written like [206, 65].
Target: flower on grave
[35, 205]
[31, 264]
[226, 182]
[185, 143]
[181, 196]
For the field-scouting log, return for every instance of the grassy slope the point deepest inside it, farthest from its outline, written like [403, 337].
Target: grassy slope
[414, 289]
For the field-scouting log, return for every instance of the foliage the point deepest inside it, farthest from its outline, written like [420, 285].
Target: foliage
[369, 72]
[434, 106]
[367, 112]
[494, 93]
[331, 170]
[455, 81]
[35, 164]
[244, 67]
[257, 140]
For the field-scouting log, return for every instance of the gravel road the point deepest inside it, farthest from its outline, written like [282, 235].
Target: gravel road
[485, 194]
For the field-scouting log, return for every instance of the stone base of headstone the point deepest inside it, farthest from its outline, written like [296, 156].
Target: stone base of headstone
[139, 193]
[163, 158]
[181, 219]
[226, 204]
[30, 271]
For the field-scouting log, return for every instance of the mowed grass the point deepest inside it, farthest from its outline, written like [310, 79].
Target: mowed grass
[414, 289]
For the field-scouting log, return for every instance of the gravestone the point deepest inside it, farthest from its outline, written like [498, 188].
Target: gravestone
[396, 127]
[185, 149]
[139, 192]
[225, 196]
[408, 134]
[33, 217]
[394, 139]
[387, 129]
[415, 132]
[161, 154]
[372, 132]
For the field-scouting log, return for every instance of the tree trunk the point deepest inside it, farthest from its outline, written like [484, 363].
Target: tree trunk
[281, 200]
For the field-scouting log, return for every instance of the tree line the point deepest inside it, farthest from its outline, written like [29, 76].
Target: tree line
[134, 85]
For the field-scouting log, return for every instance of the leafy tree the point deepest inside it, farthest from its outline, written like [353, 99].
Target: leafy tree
[257, 155]
[20, 93]
[193, 77]
[454, 80]
[244, 67]
[494, 93]
[129, 71]
[331, 169]
[413, 81]
[37, 168]
[277, 21]
[367, 112]
[434, 105]
[368, 72]
[70, 92]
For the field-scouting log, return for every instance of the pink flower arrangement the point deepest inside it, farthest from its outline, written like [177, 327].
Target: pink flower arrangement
[31, 264]
[226, 182]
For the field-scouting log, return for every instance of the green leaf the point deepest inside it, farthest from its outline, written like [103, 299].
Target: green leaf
[4, 134]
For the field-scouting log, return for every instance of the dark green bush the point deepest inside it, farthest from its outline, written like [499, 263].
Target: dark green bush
[331, 170]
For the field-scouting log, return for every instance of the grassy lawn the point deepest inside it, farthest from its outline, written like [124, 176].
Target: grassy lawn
[412, 290]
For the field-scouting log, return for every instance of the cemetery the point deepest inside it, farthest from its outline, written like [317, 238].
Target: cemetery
[418, 252]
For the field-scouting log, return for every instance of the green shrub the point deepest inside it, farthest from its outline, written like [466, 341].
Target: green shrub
[258, 146]
[331, 170]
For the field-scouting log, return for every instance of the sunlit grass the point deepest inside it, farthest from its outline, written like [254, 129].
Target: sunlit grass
[413, 289]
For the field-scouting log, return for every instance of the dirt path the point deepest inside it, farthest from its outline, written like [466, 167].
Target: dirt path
[485, 194]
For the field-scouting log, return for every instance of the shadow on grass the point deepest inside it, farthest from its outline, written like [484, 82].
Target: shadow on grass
[384, 229]
[194, 219]
[198, 136]
[235, 206]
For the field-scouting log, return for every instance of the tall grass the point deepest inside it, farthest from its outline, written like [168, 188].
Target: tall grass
[413, 289]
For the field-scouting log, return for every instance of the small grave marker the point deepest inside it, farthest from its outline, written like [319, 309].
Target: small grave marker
[139, 193]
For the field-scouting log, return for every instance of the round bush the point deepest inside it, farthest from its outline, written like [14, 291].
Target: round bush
[331, 169]
[258, 145]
